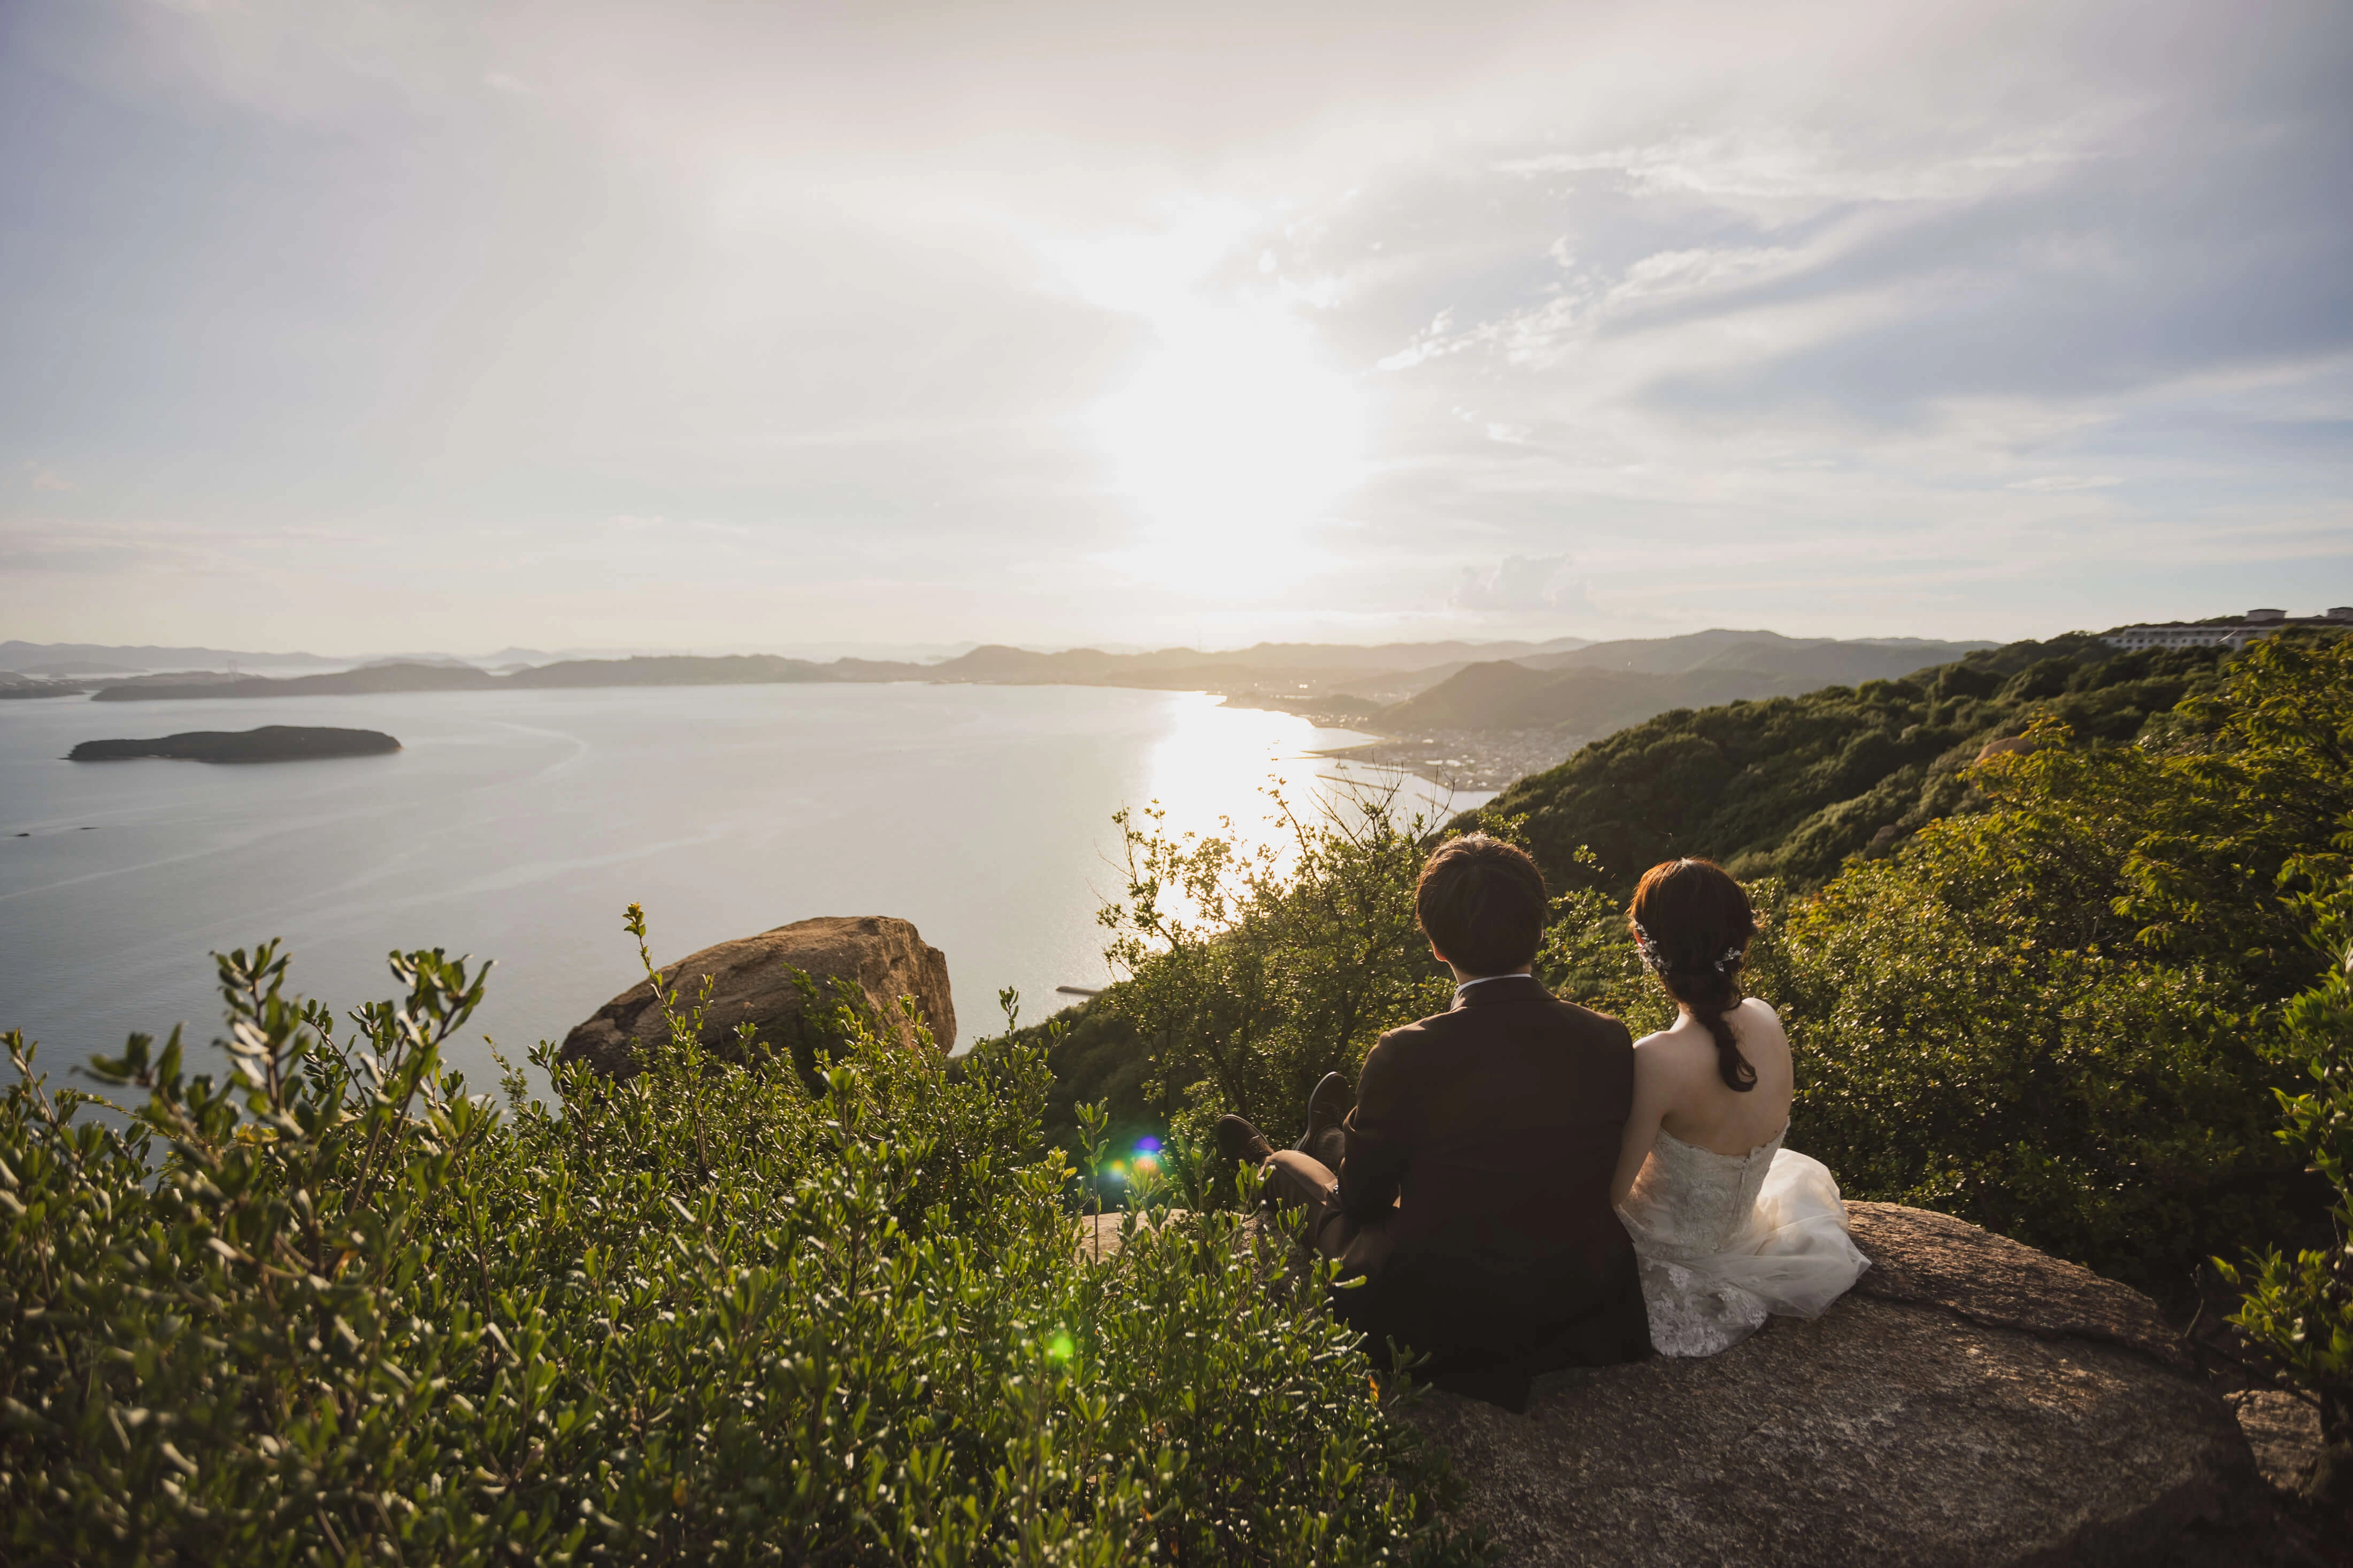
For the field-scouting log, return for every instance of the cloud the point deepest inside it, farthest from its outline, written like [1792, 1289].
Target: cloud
[1875, 314]
[1782, 170]
[2054, 483]
[1520, 584]
[44, 478]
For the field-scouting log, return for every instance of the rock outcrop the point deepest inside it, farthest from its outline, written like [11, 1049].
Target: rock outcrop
[752, 982]
[1970, 1402]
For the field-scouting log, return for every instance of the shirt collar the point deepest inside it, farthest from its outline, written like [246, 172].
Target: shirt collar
[1489, 980]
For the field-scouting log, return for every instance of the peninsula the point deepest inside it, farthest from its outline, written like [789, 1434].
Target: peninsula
[269, 743]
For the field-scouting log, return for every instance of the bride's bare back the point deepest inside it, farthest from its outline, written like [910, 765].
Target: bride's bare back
[1678, 1087]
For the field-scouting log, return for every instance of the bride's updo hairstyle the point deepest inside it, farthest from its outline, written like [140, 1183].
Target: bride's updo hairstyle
[1693, 925]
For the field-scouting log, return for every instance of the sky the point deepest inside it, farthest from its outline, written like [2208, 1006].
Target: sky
[393, 326]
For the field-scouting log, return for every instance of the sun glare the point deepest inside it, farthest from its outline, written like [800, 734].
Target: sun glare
[1232, 442]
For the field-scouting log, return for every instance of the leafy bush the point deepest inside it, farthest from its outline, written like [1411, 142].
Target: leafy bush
[2298, 1308]
[1956, 1051]
[332, 1308]
[2059, 1017]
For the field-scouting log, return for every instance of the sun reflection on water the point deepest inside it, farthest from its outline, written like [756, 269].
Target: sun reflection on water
[1224, 772]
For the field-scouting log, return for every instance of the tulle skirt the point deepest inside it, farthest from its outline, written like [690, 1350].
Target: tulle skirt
[1792, 1258]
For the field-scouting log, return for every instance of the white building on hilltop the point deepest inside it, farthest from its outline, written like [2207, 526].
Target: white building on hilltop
[2253, 626]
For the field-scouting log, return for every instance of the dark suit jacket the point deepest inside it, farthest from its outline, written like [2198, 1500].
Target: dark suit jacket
[1476, 1189]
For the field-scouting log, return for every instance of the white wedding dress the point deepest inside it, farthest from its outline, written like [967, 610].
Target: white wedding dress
[1726, 1239]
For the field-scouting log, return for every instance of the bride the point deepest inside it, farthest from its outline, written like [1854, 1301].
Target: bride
[1728, 1224]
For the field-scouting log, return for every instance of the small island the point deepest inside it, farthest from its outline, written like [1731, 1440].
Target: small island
[271, 743]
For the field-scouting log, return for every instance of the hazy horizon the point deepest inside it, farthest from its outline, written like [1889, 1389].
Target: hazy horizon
[342, 329]
[912, 653]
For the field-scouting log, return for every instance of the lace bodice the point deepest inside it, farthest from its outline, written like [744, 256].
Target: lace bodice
[1690, 1202]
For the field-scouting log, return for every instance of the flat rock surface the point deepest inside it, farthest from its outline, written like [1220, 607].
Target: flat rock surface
[1973, 1402]
[1920, 1255]
[751, 983]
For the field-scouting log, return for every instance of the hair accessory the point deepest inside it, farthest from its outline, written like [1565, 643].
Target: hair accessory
[1652, 958]
[1656, 960]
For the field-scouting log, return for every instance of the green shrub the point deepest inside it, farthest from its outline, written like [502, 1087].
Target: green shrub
[2060, 1017]
[2298, 1308]
[1954, 1052]
[333, 1309]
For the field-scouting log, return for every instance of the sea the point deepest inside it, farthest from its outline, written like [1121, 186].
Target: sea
[516, 827]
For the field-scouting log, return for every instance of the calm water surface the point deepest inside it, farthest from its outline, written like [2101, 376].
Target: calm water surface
[515, 825]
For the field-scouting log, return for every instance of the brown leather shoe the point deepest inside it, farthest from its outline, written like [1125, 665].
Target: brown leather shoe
[1240, 1142]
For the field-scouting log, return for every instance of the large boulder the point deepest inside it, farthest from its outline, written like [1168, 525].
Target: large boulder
[752, 982]
[1971, 1401]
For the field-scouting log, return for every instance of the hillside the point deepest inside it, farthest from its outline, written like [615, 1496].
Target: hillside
[1791, 785]
[1506, 695]
[1826, 658]
[1603, 687]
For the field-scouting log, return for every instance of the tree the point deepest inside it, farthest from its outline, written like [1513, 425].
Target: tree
[1249, 973]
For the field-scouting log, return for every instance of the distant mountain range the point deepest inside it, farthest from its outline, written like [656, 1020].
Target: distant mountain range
[1289, 669]
[1566, 684]
[66, 660]
[63, 660]
[1604, 687]
[1831, 658]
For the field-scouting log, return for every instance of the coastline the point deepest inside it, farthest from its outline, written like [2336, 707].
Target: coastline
[1464, 759]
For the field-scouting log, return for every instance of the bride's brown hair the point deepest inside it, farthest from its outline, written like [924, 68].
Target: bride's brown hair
[1693, 925]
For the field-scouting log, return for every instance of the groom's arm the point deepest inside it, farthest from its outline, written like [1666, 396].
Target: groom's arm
[1374, 1168]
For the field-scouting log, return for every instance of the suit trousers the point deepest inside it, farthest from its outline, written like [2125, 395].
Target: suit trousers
[1301, 1181]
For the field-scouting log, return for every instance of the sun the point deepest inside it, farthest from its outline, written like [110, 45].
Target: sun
[1233, 441]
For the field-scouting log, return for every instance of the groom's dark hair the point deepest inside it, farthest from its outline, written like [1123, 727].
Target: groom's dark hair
[1481, 903]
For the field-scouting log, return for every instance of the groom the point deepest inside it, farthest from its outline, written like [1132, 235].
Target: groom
[1472, 1196]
